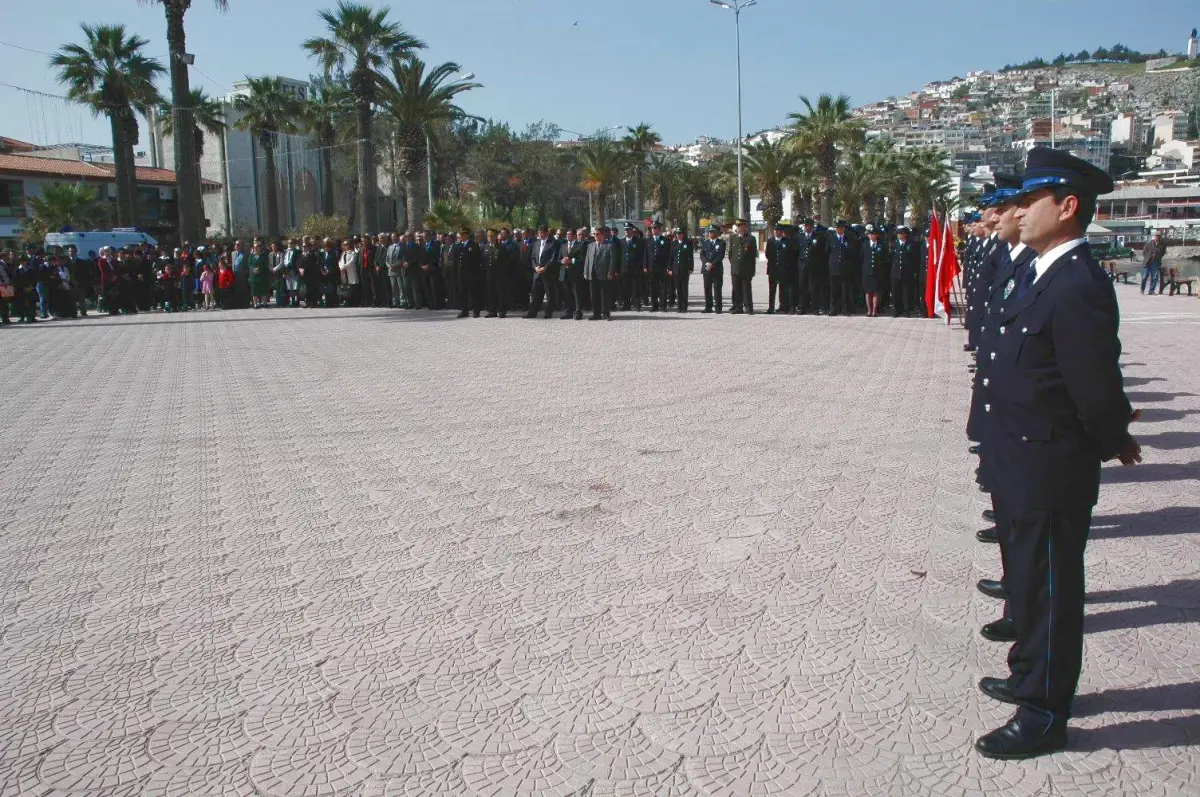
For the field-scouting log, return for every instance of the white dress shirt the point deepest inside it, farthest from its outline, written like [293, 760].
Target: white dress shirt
[1044, 262]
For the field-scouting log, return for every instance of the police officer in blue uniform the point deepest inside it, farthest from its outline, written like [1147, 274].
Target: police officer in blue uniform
[1057, 408]
[712, 268]
[842, 264]
[906, 265]
[1013, 257]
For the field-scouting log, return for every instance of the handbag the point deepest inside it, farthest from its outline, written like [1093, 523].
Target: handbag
[7, 291]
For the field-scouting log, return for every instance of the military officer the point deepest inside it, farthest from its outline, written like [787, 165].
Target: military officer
[906, 255]
[776, 270]
[743, 259]
[683, 261]
[841, 260]
[1056, 409]
[466, 260]
[712, 265]
[658, 255]
[633, 259]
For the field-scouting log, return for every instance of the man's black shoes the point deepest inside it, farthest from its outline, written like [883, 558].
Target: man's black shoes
[1002, 630]
[989, 516]
[993, 589]
[997, 689]
[991, 535]
[1018, 739]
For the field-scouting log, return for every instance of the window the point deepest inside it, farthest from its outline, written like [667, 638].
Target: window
[12, 199]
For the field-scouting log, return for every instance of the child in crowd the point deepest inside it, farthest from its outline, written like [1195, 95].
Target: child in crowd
[224, 282]
[206, 286]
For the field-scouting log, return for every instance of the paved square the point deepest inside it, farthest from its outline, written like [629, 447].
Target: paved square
[306, 552]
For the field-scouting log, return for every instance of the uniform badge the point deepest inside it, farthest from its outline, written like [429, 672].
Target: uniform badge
[1008, 288]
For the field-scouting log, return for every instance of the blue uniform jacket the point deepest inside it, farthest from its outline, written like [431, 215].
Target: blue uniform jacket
[1055, 395]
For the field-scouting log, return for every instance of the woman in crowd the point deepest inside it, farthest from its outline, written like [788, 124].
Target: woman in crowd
[348, 266]
[260, 277]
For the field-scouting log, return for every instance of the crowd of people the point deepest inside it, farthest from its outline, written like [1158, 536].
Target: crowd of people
[841, 270]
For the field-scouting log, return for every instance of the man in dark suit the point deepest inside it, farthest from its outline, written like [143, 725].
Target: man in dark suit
[712, 268]
[776, 278]
[841, 262]
[743, 260]
[633, 261]
[658, 255]
[543, 260]
[906, 257]
[571, 255]
[683, 262]
[1056, 409]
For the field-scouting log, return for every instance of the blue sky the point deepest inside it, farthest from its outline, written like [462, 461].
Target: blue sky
[666, 62]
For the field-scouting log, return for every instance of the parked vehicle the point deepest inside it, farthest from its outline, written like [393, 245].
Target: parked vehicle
[91, 241]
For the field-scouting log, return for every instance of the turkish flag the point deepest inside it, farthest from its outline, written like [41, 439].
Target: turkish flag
[947, 269]
[932, 244]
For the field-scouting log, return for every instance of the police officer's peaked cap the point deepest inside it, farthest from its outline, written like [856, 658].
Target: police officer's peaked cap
[740, 221]
[714, 228]
[779, 225]
[629, 225]
[840, 223]
[871, 228]
[1053, 168]
[680, 230]
[902, 228]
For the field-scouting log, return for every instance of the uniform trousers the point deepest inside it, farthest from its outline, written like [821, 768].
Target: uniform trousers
[682, 280]
[713, 284]
[633, 288]
[572, 291]
[1003, 536]
[818, 288]
[841, 295]
[793, 283]
[600, 297]
[801, 302]
[1046, 594]
[470, 290]
[496, 283]
[658, 289]
[904, 296]
[743, 294]
[777, 285]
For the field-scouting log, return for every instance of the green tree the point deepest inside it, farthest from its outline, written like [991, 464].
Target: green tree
[62, 205]
[113, 77]
[361, 41]
[187, 161]
[323, 115]
[823, 132]
[639, 142]
[767, 166]
[268, 109]
[601, 163]
[447, 216]
[208, 116]
[417, 100]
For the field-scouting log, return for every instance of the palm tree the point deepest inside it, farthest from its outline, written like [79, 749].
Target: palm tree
[112, 76]
[415, 101]
[322, 115]
[639, 142]
[269, 109]
[67, 205]
[208, 116]
[663, 173]
[823, 132]
[601, 162]
[187, 163]
[361, 41]
[925, 181]
[768, 165]
[446, 216]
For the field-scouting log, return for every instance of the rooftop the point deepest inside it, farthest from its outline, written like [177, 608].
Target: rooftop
[34, 166]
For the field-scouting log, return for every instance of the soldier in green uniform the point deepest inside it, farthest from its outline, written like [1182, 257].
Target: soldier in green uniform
[682, 263]
[743, 258]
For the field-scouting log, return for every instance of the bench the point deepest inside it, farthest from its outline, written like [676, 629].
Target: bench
[1113, 273]
[1174, 282]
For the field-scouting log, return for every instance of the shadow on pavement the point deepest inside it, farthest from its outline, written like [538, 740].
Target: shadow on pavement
[1152, 472]
[1170, 441]
[1157, 414]
[1154, 395]
[1139, 734]
[1159, 522]
[1134, 381]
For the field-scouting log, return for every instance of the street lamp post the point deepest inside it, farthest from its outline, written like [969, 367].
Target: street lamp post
[737, 6]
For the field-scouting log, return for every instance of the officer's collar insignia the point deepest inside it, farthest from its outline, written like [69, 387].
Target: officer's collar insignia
[1008, 288]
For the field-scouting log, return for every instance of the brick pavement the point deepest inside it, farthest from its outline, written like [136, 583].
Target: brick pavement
[384, 553]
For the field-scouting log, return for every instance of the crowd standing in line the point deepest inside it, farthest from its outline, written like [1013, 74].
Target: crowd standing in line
[810, 269]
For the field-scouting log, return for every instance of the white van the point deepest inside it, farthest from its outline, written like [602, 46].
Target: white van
[85, 242]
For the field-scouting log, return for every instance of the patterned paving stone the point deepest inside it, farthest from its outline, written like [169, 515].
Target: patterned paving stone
[367, 553]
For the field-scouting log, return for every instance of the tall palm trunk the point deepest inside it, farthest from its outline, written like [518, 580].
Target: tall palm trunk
[824, 184]
[362, 83]
[637, 192]
[272, 188]
[225, 180]
[131, 140]
[412, 202]
[326, 142]
[187, 166]
[121, 167]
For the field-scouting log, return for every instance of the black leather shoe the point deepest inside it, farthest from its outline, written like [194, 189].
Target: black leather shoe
[968, 347]
[993, 589]
[1002, 630]
[1018, 739]
[989, 516]
[991, 535]
[973, 450]
[997, 689]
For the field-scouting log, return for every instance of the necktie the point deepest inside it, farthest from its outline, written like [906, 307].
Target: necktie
[1027, 279]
